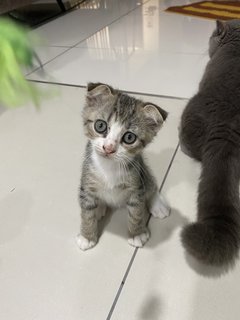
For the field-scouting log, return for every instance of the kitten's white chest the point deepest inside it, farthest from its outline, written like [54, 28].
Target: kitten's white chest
[115, 197]
[112, 176]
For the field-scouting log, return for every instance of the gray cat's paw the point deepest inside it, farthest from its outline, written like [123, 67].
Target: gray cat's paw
[83, 243]
[159, 207]
[140, 240]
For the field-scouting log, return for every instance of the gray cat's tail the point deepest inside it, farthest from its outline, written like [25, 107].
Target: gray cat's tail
[215, 238]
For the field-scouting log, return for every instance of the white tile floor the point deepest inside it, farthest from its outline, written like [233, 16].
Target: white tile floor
[146, 50]
[137, 47]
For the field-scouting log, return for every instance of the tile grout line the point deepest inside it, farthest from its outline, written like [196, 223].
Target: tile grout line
[122, 284]
[126, 91]
[136, 249]
[169, 167]
[41, 67]
[74, 46]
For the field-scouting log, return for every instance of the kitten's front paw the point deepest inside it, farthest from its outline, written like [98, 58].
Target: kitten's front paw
[140, 240]
[159, 207]
[85, 244]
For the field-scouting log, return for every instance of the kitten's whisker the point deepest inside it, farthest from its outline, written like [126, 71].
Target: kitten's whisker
[137, 167]
[124, 167]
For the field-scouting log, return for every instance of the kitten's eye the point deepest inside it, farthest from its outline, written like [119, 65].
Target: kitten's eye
[129, 138]
[100, 126]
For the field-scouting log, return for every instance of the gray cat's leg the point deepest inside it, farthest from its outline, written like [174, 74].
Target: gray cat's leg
[137, 224]
[192, 133]
[185, 150]
[182, 145]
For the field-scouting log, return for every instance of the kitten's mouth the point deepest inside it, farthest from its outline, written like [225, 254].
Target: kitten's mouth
[109, 156]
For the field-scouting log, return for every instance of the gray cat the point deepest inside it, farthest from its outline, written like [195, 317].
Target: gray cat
[210, 133]
[114, 174]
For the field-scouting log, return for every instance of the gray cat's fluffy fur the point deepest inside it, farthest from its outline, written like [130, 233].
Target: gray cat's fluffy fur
[210, 133]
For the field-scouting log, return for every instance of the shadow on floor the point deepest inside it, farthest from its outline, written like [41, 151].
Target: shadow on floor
[151, 309]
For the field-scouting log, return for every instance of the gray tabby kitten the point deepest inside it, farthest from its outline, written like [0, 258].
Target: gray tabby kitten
[210, 133]
[114, 174]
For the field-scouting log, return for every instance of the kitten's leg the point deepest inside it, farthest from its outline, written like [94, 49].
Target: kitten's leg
[89, 230]
[137, 220]
[89, 226]
[159, 208]
[89, 220]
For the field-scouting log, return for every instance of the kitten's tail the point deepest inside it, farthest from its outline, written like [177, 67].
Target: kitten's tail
[215, 238]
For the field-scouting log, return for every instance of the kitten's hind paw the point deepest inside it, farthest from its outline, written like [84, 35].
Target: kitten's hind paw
[140, 240]
[159, 207]
[101, 211]
[85, 244]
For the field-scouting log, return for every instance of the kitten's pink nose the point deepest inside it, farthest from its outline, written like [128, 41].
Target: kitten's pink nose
[109, 148]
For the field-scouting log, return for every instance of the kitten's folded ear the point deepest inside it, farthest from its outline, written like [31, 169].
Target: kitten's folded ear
[155, 116]
[96, 89]
[99, 94]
